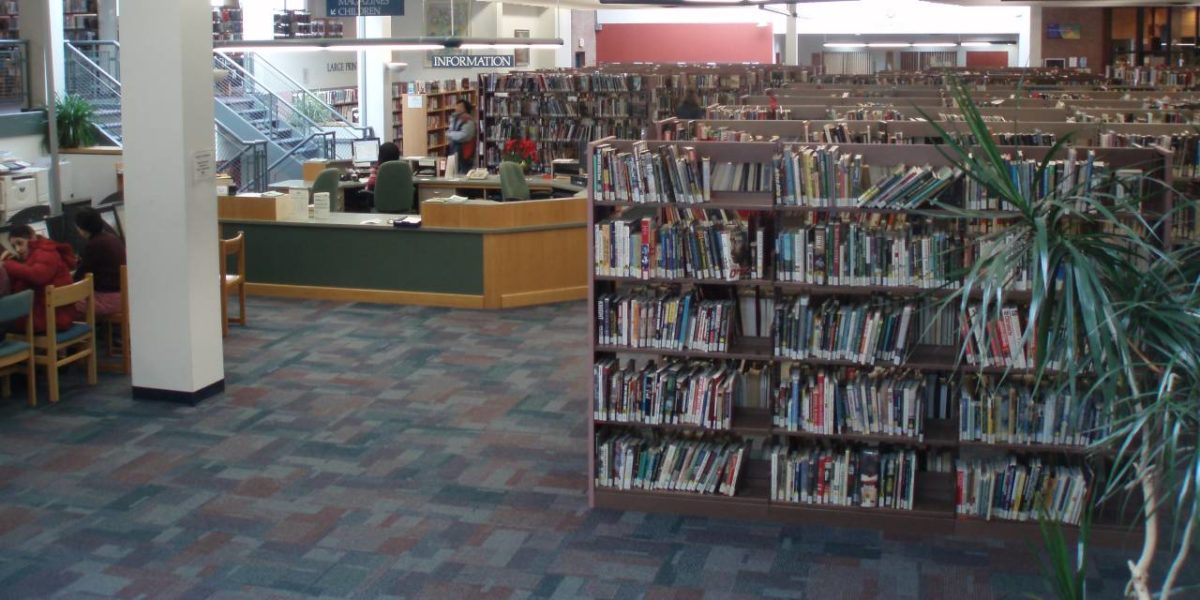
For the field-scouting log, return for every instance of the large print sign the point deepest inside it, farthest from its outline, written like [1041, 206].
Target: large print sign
[365, 8]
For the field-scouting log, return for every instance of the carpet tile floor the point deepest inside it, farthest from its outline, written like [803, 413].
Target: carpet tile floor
[368, 451]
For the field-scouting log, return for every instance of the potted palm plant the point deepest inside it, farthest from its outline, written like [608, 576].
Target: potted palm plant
[1114, 307]
[73, 119]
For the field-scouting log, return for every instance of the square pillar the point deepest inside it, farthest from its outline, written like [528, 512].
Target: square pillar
[170, 199]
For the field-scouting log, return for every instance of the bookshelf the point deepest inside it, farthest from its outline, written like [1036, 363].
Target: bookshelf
[729, 395]
[343, 100]
[81, 20]
[227, 23]
[10, 20]
[300, 24]
[422, 112]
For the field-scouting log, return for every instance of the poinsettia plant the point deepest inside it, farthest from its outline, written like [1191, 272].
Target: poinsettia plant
[521, 151]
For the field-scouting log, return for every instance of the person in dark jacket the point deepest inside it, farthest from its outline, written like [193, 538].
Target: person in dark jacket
[103, 257]
[35, 263]
[387, 153]
[690, 107]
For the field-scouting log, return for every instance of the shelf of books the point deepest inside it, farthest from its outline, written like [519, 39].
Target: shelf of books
[343, 100]
[422, 113]
[769, 343]
[291, 24]
[227, 23]
[81, 20]
[10, 20]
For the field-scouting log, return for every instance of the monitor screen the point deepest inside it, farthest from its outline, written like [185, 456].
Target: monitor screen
[365, 151]
[109, 214]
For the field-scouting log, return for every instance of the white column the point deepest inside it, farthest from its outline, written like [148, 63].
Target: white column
[374, 79]
[171, 209]
[42, 25]
[108, 19]
[1029, 42]
[258, 20]
[791, 43]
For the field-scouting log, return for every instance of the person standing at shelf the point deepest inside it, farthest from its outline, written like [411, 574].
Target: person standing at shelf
[690, 107]
[102, 257]
[34, 263]
[772, 102]
[462, 136]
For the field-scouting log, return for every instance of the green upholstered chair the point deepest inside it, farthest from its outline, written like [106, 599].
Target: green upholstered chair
[17, 351]
[394, 188]
[327, 181]
[513, 185]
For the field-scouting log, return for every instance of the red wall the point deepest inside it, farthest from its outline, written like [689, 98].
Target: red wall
[986, 59]
[683, 42]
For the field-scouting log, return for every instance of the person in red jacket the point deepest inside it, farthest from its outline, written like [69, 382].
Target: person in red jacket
[35, 263]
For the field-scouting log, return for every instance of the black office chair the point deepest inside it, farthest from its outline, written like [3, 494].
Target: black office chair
[113, 198]
[32, 214]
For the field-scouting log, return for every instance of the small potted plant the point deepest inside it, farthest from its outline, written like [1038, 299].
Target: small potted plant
[73, 119]
[520, 151]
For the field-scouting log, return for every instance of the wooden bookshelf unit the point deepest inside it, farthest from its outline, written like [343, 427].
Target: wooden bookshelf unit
[753, 358]
[422, 114]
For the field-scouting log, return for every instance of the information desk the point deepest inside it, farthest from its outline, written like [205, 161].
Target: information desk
[469, 255]
[443, 187]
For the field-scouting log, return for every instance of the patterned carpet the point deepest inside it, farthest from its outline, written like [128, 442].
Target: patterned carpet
[375, 452]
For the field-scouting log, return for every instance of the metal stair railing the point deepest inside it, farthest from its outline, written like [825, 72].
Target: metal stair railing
[244, 161]
[327, 116]
[270, 114]
[84, 78]
[105, 53]
[320, 144]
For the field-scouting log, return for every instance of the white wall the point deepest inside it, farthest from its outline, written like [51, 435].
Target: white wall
[28, 148]
[317, 70]
[91, 176]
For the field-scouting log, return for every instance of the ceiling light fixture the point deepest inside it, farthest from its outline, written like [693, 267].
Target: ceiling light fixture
[975, 44]
[888, 45]
[844, 45]
[935, 44]
[395, 44]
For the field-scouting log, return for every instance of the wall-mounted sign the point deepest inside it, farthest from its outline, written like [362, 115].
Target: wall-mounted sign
[341, 67]
[473, 61]
[1064, 31]
[364, 8]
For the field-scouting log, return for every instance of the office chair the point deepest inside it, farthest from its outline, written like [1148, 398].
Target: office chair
[32, 214]
[394, 188]
[327, 181]
[113, 198]
[513, 185]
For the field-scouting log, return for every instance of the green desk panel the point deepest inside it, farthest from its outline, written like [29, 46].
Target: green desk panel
[364, 258]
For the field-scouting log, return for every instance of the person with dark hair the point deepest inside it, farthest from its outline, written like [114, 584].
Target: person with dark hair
[34, 263]
[103, 257]
[388, 152]
[690, 107]
[462, 136]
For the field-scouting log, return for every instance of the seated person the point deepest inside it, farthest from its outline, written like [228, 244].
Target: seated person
[103, 257]
[34, 263]
[364, 200]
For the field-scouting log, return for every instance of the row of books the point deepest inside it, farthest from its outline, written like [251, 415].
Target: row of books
[227, 23]
[726, 112]
[700, 465]
[834, 401]
[79, 6]
[1185, 148]
[869, 251]
[1133, 116]
[401, 88]
[1011, 413]
[81, 22]
[997, 340]
[1021, 490]
[338, 96]
[557, 130]
[668, 174]
[664, 320]
[700, 394]
[863, 333]
[694, 246]
[866, 477]
[824, 176]
[561, 82]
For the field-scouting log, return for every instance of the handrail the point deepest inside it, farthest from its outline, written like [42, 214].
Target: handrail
[255, 180]
[329, 145]
[114, 60]
[226, 63]
[101, 73]
[296, 86]
[23, 46]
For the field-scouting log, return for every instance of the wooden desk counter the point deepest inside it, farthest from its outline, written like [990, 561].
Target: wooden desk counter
[531, 253]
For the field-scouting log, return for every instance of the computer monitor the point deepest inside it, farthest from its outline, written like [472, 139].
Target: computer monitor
[109, 214]
[365, 152]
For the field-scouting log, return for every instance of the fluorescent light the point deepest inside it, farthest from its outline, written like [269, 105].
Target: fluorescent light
[975, 44]
[888, 45]
[505, 46]
[844, 45]
[935, 44]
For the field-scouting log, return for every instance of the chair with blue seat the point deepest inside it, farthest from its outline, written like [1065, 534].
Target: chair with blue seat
[57, 349]
[394, 187]
[513, 185]
[17, 352]
[328, 181]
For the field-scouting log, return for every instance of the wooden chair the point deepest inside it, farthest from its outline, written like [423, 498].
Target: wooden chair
[236, 281]
[58, 349]
[18, 349]
[110, 324]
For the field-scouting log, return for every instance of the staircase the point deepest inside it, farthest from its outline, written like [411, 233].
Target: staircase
[86, 79]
